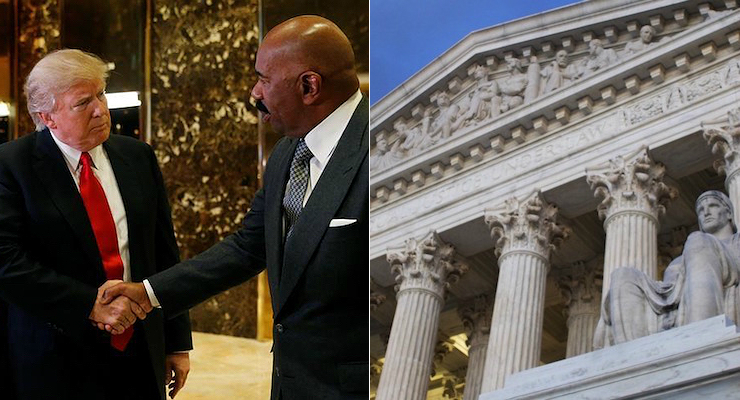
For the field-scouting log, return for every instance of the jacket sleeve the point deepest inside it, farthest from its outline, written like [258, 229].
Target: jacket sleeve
[228, 263]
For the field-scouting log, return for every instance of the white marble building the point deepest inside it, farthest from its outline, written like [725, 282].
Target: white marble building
[516, 171]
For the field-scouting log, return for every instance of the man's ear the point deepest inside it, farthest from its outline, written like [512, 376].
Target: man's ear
[48, 120]
[311, 86]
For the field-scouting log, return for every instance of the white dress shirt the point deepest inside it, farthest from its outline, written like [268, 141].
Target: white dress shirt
[324, 137]
[104, 172]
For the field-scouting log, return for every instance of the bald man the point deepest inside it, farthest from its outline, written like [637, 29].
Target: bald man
[308, 225]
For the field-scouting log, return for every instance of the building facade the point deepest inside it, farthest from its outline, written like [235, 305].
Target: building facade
[515, 172]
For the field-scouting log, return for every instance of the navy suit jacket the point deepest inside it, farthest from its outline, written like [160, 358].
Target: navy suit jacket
[50, 267]
[318, 277]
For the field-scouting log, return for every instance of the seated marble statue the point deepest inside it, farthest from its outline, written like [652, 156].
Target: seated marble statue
[598, 58]
[513, 87]
[699, 284]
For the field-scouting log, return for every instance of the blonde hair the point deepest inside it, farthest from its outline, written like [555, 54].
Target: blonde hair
[56, 73]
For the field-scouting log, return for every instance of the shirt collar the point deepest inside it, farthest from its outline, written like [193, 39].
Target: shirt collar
[72, 155]
[323, 138]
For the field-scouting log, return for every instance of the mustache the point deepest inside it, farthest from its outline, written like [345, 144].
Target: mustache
[261, 106]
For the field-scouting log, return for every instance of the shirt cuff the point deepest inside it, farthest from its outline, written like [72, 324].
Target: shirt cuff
[150, 293]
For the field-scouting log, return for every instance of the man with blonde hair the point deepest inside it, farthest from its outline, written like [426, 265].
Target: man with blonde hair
[79, 207]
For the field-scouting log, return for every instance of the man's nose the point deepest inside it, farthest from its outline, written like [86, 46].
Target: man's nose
[256, 92]
[100, 107]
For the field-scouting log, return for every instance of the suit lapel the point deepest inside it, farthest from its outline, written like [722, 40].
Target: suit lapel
[324, 201]
[52, 171]
[128, 186]
[274, 214]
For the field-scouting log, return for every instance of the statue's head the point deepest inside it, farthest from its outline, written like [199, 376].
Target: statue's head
[595, 47]
[562, 58]
[647, 33]
[443, 99]
[480, 72]
[514, 64]
[381, 144]
[714, 210]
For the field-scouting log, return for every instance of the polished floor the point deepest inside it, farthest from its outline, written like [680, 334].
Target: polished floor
[227, 367]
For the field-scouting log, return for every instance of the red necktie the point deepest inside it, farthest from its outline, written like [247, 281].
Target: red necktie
[104, 228]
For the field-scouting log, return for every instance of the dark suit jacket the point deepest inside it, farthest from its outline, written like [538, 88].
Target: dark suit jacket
[50, 267]
[318, 278]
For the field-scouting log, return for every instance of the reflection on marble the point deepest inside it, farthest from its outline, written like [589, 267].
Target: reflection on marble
[39, 26]
[204, 135]
[225, 367]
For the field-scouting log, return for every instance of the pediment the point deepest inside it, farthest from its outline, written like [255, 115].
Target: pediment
[493, 92]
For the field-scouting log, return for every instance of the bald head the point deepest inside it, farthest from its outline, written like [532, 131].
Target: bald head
[312, 59]
[314, 43]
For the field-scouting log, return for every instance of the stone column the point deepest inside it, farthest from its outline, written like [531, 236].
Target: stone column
[634, 198]
[580, 285]
[476, 317]
[724, 136]
[424, 270]
[525, 233]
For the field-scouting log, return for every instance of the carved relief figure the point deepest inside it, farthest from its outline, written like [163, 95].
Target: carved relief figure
[447, 121]
[483, 99]
[385, 156]
[559, 73]
[598, 58]
[647, 33]
[699, 284]
[512, 88]
[413, 139]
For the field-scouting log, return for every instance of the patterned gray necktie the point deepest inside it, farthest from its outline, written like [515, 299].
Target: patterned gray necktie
[297, 184]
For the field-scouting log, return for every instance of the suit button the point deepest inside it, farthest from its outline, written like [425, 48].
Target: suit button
[277, 371]
[279, 328]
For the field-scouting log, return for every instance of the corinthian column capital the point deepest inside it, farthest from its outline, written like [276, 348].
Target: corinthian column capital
[529, 225]
[427, 264]
[631, 183]
[476, 318]
[723, 134]
[580, 284]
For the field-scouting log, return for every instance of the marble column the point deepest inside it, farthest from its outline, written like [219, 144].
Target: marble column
[525, 233]
[424, 270]
[634, 199]
[580, 285]
[723, 135]
[476, 317]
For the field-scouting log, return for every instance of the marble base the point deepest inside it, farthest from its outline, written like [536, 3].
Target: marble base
[700, 360]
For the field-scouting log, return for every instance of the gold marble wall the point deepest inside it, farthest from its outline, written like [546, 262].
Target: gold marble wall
[205, 134]
[39, 32]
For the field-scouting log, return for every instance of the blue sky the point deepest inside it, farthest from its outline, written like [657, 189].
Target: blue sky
[406, 35]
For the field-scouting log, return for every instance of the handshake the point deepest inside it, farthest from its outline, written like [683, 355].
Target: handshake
[119, 305]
